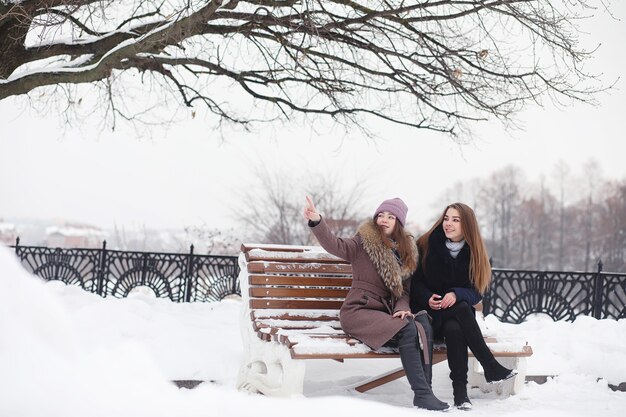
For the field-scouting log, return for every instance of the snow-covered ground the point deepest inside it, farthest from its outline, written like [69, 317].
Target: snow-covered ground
[65, 352]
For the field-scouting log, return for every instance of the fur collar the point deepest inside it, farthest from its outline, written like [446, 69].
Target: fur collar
[388, 268]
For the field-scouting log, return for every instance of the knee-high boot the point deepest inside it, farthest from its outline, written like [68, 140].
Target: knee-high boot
[457, 361]
[423, 322]
[408, 346]
[494, 372]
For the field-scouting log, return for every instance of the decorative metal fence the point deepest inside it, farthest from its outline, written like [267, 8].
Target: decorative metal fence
[512, 297]
[177, 276]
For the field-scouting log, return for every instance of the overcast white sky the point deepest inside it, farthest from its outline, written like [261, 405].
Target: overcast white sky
[191, 176]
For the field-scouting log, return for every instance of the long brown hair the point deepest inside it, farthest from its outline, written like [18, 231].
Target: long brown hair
[403, 244]
[480, 269]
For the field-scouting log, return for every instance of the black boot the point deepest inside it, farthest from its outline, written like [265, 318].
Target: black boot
[494, 372]
[497, 373]
[408, 346]
[461, 400]
[457, 361]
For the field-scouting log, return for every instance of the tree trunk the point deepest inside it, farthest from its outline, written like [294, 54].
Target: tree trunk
[13, 32]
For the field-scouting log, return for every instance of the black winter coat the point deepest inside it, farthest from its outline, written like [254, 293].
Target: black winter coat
[443, 274]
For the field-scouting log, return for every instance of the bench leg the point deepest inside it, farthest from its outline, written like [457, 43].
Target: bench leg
[512, 386]
[391, 376]
[269, 369]
[380, 380]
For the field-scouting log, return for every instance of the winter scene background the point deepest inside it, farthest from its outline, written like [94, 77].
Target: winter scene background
[67, 352]
[72, 177]
[548, 187]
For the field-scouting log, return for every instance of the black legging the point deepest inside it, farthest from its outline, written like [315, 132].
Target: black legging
[458, 327]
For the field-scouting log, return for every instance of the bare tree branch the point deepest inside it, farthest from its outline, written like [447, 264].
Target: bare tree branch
[438, 65]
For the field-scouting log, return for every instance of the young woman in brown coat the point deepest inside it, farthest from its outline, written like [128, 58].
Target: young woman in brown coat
[376, 310]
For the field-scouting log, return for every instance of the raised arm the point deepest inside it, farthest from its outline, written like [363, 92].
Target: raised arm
[345, 248]
[310, 212]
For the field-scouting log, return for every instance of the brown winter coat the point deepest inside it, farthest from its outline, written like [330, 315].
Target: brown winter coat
[366, 313]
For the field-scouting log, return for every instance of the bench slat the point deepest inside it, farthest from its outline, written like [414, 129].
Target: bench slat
[439, 354]
[306, 257]
[312, 268]
[298, 325]
[262, 315]
[296, 355]
[296, 304]
[246, 247]
[284, 339]
[269, 292]
[300, 281]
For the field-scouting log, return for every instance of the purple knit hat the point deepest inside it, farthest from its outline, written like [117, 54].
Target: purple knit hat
[394, 206]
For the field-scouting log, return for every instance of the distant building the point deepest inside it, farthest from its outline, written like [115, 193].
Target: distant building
[8, 233]
[74, 236]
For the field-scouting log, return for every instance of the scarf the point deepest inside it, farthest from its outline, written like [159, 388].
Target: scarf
[454, 247]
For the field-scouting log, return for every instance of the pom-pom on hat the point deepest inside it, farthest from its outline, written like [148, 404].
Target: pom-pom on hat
[394, 206]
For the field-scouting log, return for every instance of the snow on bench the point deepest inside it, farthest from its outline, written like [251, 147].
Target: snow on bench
[292, 295]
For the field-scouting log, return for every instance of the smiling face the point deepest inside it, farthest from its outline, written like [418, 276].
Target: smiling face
[452, 225]
[386, 222]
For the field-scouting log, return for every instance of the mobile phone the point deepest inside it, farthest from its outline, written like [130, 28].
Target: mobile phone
[438, 298]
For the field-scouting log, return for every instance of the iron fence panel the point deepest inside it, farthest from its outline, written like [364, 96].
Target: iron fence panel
[163, 273]
[215, 278]
[179, 277]
[613, 294]
[512, 297]
[71, 266]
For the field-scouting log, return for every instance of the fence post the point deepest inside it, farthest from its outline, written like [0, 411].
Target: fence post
[17, 245]
[144, 267]
[540, 290]
[236, 277]
[598, 286]
[100, 277]
[486, 297]
[188, 275]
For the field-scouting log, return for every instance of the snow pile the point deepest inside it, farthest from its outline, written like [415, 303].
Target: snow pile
[65, 352]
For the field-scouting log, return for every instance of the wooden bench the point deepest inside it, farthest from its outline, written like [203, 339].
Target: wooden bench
[291, 300]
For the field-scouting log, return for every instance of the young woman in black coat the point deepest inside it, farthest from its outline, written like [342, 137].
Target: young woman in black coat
[452, 274]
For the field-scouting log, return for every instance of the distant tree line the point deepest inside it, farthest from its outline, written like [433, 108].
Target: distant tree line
[560, 223]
